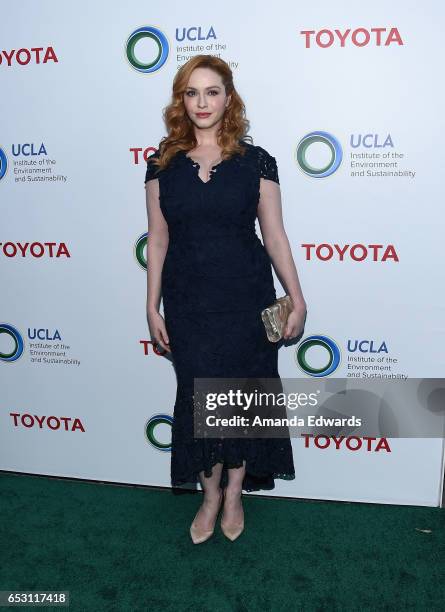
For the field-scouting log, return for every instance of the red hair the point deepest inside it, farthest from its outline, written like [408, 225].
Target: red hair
[181, 136]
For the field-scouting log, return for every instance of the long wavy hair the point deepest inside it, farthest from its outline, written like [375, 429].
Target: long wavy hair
[180, 132]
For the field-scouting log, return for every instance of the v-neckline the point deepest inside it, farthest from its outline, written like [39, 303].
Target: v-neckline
[196, 167]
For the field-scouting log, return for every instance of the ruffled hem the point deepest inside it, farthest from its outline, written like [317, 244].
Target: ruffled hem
[251, 481]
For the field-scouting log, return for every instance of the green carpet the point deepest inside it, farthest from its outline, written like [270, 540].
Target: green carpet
[128, 548]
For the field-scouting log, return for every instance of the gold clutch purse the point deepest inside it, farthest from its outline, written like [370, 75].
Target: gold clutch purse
[275, 317]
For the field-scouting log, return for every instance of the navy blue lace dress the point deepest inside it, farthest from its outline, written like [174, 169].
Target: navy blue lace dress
[216, 279]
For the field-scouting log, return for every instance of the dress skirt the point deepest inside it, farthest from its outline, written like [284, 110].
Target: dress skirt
[227, 345]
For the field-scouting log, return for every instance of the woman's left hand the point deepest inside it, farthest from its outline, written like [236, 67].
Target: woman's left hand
[295, 323]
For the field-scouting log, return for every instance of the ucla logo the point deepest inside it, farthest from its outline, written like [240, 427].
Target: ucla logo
[371, 141]
[139, 248]
[17, 340]
[160, 56]
[27, 149]
[3, 163]
[43, 334]
[367, 346]
[331, 349]
[153, 422]
[322, 169]
[195, 34]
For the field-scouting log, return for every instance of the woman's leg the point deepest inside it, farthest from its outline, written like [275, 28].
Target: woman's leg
[205, 516]
[233, 507]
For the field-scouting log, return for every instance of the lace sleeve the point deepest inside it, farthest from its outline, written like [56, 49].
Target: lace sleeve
[268, 165]
[152, 169]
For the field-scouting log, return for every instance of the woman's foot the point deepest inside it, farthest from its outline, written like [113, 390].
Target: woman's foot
[204, 522]
[232, 521]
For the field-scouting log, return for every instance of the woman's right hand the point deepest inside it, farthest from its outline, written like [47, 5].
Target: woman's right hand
[158, 332]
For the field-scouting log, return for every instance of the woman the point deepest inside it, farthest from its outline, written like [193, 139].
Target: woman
[205, 186]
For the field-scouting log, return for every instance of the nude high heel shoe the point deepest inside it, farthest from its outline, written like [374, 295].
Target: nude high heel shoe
[201, 535]
[232, 531]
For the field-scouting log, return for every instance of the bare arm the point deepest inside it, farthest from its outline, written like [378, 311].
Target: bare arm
[157, 244]
[270, 218]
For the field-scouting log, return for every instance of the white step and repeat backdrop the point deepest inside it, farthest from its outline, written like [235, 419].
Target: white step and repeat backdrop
[349, 100]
